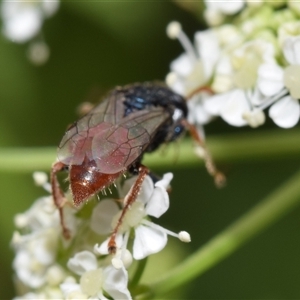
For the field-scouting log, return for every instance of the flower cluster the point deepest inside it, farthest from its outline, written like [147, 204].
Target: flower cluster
[22, 22]
[246, 63]
[49, 267]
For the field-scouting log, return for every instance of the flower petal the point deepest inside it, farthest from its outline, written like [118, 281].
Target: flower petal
[176, 83]
[146, 190]
[82, 262]
[69, 287]
[115, 283]
[270, 79]
[235, 106]
[207, 45]
[148, 241]
[215, 103]
[23, 265]
[223, 77]
[124, 189]
[102, 216]
[182, 65]
[286, 112]
[159, 202]
[227, 7]
[21, 22]
[165, 181]
[291, 50]
[197, 113]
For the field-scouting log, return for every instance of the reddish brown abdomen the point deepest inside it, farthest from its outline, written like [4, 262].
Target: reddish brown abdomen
[86, 180]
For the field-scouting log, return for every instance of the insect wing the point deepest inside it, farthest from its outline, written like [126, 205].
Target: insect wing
[109, 138]
[77, 141]
[111, 110]
[118, 147]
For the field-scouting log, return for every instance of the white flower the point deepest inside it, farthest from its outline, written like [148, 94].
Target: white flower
[230, 106]
[36, 250]
[36, 244]
[192, 69]
[39, 246]
[196, 106]
[34, 255]
[228, 7]
[240, 70]
[281, 86]
[270, 79]
[237, 107]
[217, 10]
[291, 50]
[288, 29]
[22, 20]
[150, 238]
[94, 280]
[246, 60]
[42, 214]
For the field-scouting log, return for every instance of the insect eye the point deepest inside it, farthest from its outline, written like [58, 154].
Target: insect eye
[177, 132]
[178, 129]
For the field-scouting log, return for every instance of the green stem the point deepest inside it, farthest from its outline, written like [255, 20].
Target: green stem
[264, 214]
[230, 147]
[141, 264]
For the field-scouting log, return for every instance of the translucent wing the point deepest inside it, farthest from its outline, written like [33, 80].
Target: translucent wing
[77, 141]
[109, 138]
[117, 147]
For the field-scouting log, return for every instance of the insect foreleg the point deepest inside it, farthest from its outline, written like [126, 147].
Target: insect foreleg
[210, 165]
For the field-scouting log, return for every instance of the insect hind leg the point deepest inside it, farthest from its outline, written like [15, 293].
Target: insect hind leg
[58, 195]
[128, 201]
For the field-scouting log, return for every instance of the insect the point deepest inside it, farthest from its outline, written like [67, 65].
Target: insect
[111, 140]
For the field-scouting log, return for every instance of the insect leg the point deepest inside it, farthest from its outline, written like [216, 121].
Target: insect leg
[206, 89]
[128, 200]
[58, 195]
[210, 165]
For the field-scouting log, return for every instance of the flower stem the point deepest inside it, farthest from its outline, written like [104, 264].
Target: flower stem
[228, 147]
[264, 214]
[141, 264]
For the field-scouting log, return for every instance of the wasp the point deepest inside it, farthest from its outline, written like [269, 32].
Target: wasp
[111, 140]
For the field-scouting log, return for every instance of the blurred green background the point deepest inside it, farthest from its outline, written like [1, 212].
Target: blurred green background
[94, 47]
